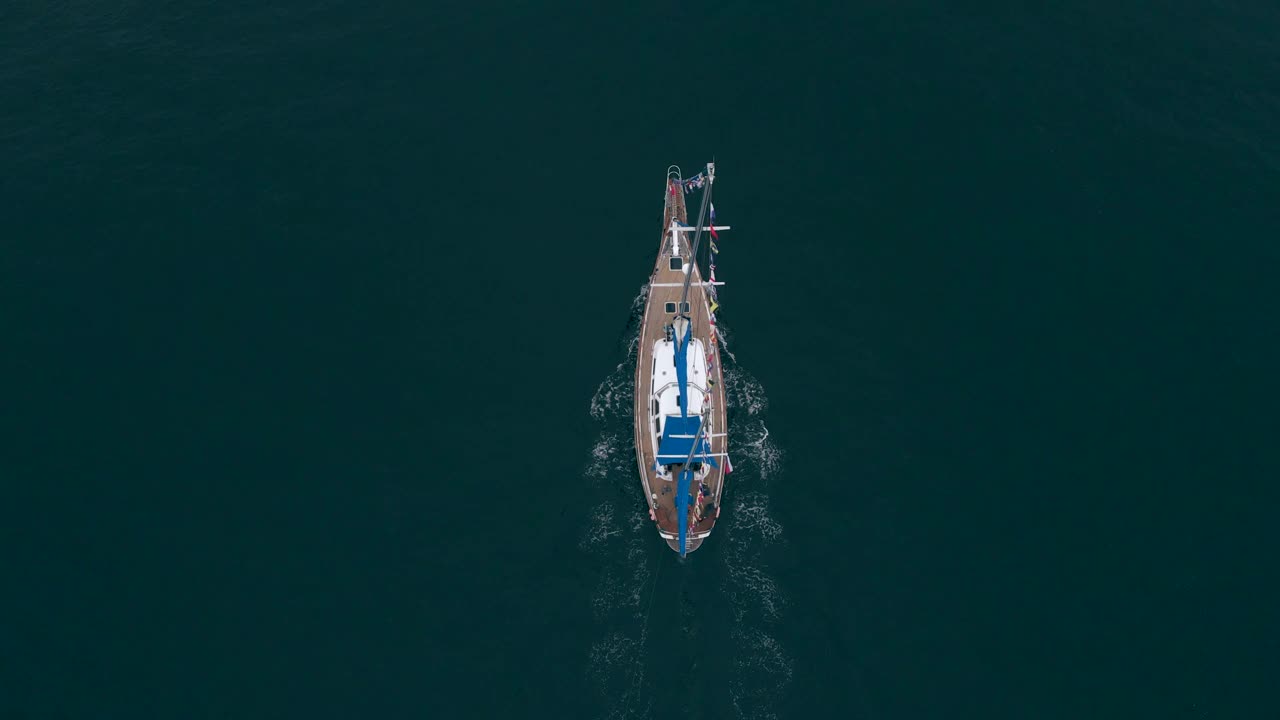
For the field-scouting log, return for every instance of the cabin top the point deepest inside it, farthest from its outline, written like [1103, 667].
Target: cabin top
[665, 386]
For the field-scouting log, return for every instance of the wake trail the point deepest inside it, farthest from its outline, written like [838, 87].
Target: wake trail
[762, 670]
[618, 539]
[615, 541]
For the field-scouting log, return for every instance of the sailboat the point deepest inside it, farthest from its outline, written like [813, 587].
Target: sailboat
[680, 422]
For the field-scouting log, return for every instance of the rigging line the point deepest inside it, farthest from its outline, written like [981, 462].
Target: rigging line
[697, 238]
[644, 628]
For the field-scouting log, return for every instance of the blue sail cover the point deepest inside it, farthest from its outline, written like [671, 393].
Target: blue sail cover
[682, 368]
[678, 435]
[682, 506]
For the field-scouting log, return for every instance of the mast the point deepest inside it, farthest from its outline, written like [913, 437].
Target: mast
[683, 327]
[683, 324]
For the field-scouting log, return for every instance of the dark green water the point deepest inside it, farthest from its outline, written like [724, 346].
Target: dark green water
[316, 322]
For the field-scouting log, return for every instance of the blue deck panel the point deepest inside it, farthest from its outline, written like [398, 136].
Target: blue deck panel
[677, 439]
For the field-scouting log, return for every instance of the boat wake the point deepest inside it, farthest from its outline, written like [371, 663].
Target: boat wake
[762, 675]
[748, 436]
[615, 537]
[762, 668]
[619, 539]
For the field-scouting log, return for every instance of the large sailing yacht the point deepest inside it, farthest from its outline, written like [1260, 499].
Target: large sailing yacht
[680, 431]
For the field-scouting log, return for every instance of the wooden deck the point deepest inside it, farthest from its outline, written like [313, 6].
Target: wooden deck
[659, 492]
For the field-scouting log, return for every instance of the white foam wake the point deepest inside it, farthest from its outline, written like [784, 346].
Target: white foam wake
[615, 540]
[762, 668]
[743, 391]
[615, 393]
[762, 673]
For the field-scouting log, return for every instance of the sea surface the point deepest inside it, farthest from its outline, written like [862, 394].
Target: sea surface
[318, 323]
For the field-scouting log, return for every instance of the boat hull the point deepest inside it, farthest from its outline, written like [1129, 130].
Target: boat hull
[665, 286]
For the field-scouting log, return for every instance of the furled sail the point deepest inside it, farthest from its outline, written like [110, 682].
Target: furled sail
[684, 331]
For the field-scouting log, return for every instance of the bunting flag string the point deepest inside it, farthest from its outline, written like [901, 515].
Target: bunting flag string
[695, 183]
[715, 250]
